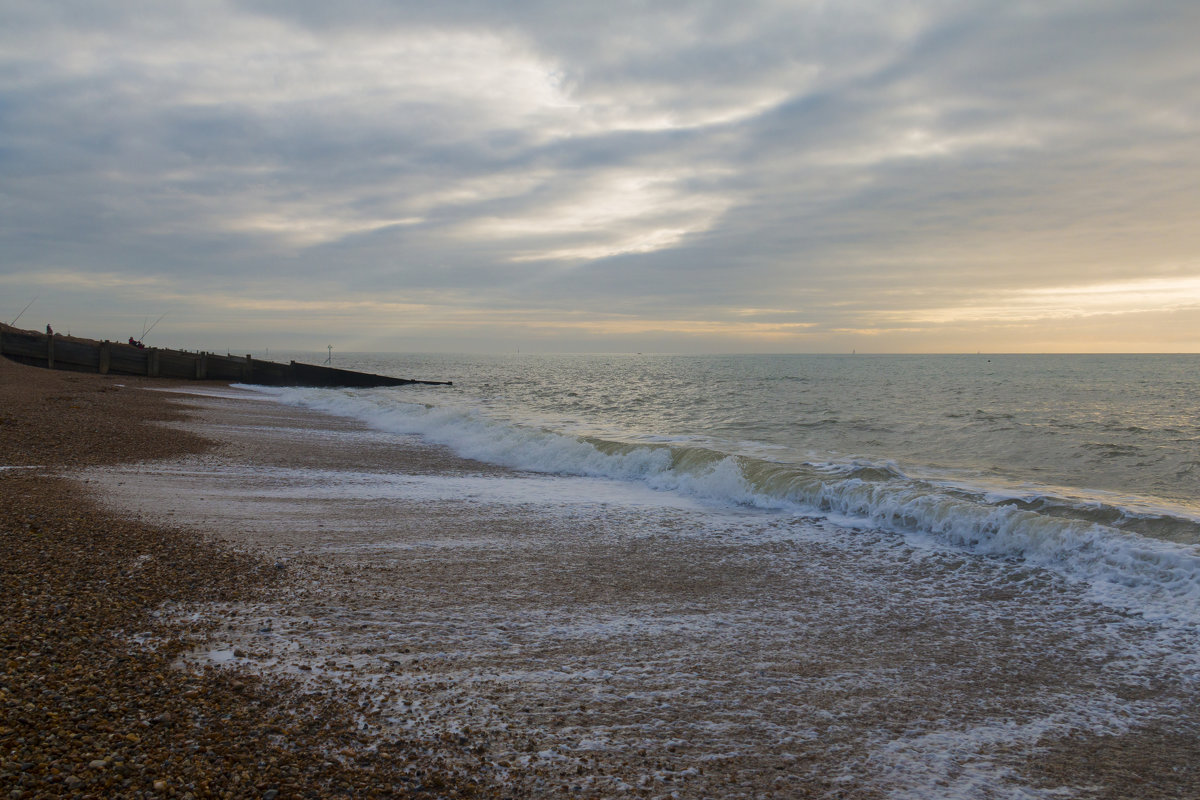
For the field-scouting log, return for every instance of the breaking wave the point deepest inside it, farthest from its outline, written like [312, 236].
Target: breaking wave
[1137, 558]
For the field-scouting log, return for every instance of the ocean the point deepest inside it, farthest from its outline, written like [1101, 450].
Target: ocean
[960, 577]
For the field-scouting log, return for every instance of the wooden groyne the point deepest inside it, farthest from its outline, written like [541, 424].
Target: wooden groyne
[56, 351]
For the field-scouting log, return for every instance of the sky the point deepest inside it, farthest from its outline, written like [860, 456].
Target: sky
[713, 177]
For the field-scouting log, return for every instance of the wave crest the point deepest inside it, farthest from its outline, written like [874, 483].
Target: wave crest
[1110, 548]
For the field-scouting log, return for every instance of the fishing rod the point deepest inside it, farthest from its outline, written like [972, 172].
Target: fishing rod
[146, 330]
[23, 310]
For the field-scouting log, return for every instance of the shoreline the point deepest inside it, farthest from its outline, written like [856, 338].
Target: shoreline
[562, 637]
[87, 710]
[602, 639]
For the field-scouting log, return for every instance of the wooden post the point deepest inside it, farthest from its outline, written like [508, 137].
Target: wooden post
[152, 363]
[105, 355]
[248, 370]
[202, 366]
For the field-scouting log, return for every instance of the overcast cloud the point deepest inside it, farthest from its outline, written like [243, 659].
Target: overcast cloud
[682, 176]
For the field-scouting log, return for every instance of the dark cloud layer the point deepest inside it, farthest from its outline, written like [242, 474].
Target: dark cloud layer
[703, 176]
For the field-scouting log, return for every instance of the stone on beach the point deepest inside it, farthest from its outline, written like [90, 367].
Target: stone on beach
[84, 708]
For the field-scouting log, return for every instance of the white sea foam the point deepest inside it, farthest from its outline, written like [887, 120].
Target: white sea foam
[231, 482]
[1125, 570]
[235, 392]
[577, 621]
[955, 763]
[635, 619]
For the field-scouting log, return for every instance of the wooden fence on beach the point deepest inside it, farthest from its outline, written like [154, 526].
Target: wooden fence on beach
[56, 351]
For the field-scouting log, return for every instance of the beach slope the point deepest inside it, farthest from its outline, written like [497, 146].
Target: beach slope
[91, 702]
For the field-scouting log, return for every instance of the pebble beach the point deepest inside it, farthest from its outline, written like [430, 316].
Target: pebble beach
[92, 700]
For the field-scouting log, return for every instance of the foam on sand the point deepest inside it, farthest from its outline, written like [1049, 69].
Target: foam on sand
[604, 634]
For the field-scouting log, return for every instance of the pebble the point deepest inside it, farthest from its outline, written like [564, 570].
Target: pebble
[73, 683]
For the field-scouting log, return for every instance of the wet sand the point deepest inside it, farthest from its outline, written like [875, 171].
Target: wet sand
[574, 637]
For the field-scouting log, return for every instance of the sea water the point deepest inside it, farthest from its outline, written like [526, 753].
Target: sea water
[1088, 465]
